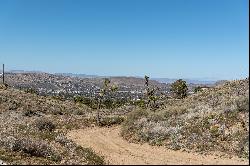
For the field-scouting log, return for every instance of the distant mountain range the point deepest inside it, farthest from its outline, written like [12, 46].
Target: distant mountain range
[23, 71]
[77, 75]
[161, 80]
[189, 81]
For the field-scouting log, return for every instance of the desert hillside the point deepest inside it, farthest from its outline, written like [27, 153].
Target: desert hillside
[216, 119]
[34, 129]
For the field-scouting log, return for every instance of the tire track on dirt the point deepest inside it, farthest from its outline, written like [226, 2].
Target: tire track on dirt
[116, 150]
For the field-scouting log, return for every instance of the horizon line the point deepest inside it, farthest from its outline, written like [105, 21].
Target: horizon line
[212, 79]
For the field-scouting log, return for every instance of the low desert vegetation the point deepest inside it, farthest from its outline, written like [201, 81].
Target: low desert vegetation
[215, 119]
[110, 121]
[179, 89]
[33, 129]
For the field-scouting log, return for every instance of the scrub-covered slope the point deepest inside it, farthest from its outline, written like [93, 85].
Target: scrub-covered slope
[216, 119]
[32, 130]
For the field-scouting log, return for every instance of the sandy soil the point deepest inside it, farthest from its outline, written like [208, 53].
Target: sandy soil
[116, 150]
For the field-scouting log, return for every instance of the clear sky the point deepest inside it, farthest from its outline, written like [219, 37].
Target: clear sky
[160, 38]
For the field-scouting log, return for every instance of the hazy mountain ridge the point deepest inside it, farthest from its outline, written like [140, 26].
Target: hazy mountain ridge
[189, 81]
[160, 80]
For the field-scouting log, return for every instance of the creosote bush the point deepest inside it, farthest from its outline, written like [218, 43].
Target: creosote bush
[179, 88]
[90, 156]
[31, 147]
[29, 113]
[109, 121]
[45, 124]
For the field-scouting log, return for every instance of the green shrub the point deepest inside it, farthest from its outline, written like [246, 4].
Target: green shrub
[179, 88]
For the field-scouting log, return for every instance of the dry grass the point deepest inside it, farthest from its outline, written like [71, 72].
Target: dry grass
[213, 120]
[32, 129]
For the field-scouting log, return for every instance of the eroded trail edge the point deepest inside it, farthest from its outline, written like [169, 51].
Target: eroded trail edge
[108, 143]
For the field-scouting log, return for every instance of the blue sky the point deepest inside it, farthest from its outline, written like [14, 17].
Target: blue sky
[160, 38]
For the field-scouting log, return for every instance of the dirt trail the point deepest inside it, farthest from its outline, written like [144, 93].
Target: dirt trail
[116, 150]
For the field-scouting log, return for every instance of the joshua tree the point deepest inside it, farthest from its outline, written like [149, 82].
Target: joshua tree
[105, 91]
[150, 94]
[146, 80]
[179, 88]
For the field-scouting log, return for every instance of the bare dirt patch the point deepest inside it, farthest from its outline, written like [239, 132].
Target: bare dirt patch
[116, 150]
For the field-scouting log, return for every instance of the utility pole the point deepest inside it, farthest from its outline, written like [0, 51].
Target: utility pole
[3, 73]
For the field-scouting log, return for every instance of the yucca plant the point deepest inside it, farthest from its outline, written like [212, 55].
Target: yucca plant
[104, 93]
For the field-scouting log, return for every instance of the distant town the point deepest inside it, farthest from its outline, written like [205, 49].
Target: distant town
[69, 85]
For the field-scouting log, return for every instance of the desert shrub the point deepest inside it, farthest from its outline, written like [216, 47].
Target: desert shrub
[60, 138]
[179, 88]
[109, 121]
[3, 86]
[129, 127]
[244, 148]
[59, 98]
[3, 99]
[90, 102]
[46, 135]
[173, 111]
[29, 113]
[156, 117]
[90, 156]
[197, 89]
[30, 90]
[34, 148]
[140, 103]
[79, 112]
[57, 111]
[138, 113]
[13, 106]
[45, 124]
[108, 103]
[242, 104]
[31, 147]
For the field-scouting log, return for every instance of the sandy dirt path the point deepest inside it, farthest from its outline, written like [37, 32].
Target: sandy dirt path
[116, 150]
